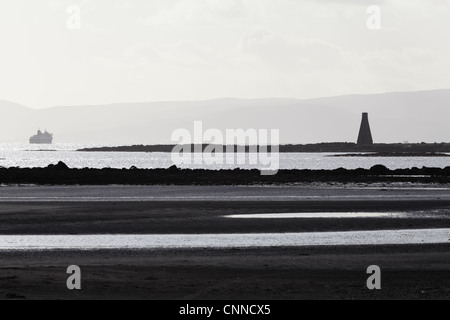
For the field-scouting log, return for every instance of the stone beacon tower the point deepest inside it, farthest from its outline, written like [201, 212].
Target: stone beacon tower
[365, 135]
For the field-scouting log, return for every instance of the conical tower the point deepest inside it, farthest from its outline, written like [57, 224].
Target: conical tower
[365, 135]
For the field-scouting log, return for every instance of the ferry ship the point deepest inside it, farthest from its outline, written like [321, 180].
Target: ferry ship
[42, 138]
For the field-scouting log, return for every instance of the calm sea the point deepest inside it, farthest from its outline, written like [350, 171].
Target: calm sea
[218, 241]
[28, 156]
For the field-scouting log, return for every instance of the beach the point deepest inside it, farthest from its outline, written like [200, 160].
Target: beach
[257, 274]
[418, 271]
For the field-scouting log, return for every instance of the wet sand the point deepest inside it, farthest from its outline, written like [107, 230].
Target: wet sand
[420, 272]
[408, 272]
[183, 217]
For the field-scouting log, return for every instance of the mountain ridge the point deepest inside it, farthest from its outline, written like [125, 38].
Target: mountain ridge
[395, 117]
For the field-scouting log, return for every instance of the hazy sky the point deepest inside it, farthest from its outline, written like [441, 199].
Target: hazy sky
[147, 50]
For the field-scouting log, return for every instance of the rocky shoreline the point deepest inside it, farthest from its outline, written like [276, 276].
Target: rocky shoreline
[61, 174]
[336, 147]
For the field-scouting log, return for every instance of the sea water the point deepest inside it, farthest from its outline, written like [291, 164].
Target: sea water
[29, 156]
[223, 241]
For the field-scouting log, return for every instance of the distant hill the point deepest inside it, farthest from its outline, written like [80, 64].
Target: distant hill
[395, 117]
[378, 150]
[14, 119]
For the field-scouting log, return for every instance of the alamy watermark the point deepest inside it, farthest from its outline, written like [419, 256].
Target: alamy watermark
[74, 19]
[374, 20]
[374, 281]
[74, 280]
[213, 147]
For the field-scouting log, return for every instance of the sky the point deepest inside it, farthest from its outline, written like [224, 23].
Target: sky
[156, 50]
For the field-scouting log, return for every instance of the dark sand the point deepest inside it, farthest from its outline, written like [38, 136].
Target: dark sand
[207, 217]
[415, 272]
[420, 272]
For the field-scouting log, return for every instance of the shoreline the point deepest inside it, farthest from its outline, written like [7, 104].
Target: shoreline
[333, 147]
[61, 174]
